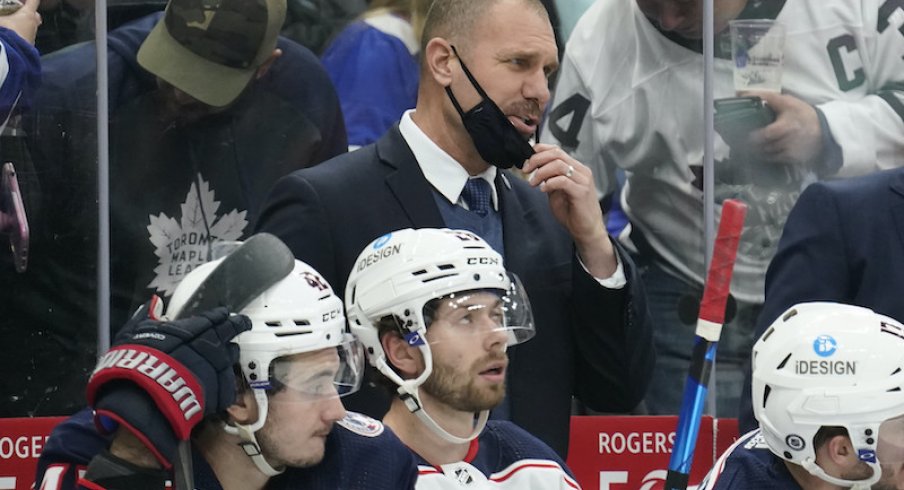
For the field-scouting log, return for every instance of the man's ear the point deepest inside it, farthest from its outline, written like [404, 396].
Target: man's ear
[840, 454]
[438, 60]
[265, 66]
[244, 410]
[406, 359]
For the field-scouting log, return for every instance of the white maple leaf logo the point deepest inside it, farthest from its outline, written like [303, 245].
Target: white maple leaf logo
[182, 246]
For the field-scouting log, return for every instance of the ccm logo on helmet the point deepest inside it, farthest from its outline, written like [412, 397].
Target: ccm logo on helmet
[157, 370]
[483, 261]
[331, 315]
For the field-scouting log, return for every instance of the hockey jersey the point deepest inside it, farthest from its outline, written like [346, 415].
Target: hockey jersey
[373, 64]
[749, 465]
[504, 456]
[360, 453]
[20, 72]
[631, 96]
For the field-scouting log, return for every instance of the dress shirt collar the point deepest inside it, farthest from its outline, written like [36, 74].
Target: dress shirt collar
[443, 172]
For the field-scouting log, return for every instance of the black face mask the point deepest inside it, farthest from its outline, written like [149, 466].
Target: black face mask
[496, 139]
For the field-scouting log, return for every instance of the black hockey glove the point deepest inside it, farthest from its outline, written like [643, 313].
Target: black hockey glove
[159, 379]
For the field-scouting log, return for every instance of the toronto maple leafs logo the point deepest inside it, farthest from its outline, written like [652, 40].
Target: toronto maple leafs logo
[183, 245]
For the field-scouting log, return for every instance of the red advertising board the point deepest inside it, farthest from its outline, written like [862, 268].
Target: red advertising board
[726, 434]
[21, 443]
[632, 452]
[606, 452]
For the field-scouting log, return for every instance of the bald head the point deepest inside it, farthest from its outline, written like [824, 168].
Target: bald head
[456, 19]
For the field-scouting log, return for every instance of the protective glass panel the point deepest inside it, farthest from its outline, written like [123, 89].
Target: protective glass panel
[49, 247]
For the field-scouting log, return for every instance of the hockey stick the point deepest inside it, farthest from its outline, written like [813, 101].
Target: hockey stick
[260, 262]
[709, 328]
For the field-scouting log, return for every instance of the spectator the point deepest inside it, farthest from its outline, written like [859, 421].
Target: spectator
[20, 66]
[829, 252]
[273, 428]
[313, 23]
[828, 389]
[451, 292]
[630, 96]
[569, 13]
[203, 119]
[444, 166]
[373, 64]
[20, 76]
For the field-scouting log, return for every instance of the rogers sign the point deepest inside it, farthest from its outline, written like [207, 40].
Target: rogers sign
[632, 452]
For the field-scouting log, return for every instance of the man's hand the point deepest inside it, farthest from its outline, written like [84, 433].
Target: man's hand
[159, 379]
[795, 138]
[24, 21]
[574, 202]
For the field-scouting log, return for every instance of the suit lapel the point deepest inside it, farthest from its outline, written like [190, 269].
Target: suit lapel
[406, 181]
[514, 222]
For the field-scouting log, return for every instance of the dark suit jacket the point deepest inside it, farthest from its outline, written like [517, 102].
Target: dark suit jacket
[591, 342]
[843, 242]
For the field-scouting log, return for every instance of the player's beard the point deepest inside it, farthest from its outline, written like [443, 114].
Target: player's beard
[862, 471]
[459, 390]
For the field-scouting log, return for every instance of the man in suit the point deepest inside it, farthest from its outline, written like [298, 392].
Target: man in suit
[483, 88]
[829, 252]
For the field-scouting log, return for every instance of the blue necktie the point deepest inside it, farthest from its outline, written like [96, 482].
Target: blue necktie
[477, 194]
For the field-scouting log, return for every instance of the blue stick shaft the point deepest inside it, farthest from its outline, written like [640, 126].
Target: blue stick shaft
[692, 405]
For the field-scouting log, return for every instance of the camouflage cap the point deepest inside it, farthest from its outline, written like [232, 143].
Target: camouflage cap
[210, 49]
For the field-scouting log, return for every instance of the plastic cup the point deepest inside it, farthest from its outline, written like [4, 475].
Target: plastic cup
[757, 47]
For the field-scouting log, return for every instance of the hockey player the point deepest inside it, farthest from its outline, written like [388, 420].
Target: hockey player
[436, 311]
[275, 431]
[828, 392]
[630, 96]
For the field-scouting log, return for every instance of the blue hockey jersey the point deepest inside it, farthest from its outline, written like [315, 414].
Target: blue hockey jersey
[360, 454]
[373, 64]
[749, 465]
[20, 72]
[505, 456]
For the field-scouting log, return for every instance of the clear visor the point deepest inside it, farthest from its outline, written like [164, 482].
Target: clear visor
[326, 373]
[482, 312]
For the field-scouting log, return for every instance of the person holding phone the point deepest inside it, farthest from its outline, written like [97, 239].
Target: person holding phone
[630, 96]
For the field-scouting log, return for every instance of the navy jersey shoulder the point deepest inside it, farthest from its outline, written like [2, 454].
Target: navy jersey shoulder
[749, 465]
[361, 453]
[502, 443]
[68, 450]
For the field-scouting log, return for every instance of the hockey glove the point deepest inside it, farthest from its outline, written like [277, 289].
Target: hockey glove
[159, 379]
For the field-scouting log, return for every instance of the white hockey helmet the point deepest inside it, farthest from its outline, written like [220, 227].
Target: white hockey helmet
[829, 364]
[297, 315]
[399, 273]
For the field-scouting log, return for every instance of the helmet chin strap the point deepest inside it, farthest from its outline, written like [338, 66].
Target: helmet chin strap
[249, 441]
[408, 392]
[413, 401]
[810, 465]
